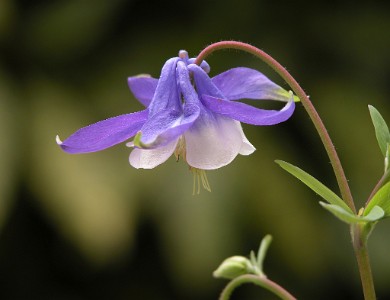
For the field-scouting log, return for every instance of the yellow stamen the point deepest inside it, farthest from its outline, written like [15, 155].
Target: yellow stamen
[200, 176]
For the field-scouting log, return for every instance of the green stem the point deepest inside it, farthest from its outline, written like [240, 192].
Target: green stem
[260, 281]
[278, 68]
[361, 254]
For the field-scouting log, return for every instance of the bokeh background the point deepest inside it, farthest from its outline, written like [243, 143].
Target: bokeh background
[92, 227]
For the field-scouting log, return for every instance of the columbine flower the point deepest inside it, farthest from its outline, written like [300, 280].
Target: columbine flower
[188, 114]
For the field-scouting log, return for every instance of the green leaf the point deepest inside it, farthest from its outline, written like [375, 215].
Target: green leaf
[340, 213]
[381, 199]
[350, 218]
[381, 130]
[253, 259]
[375, 214]
[264, 245]
[314, 184]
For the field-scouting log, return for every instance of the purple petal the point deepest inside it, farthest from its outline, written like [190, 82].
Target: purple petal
[246, 113]
[245, 83]
[204, 65]
[143, 88]
[166, 95]
[154, 131]
[187, 90]
[104, 134]
[167, 125]
[203, 83]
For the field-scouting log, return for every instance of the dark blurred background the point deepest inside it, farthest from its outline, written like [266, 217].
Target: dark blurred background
[92, 227]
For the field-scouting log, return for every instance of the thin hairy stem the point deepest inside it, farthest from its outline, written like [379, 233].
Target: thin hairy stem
[260, 281]
[307, 104]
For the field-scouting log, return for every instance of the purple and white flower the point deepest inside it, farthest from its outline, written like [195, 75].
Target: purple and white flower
[188, 114]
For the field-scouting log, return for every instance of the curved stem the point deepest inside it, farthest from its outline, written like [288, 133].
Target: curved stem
[278, 68]
[359, 241]
[260, 281]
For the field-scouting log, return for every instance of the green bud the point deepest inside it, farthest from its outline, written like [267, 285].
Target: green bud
[233, 267]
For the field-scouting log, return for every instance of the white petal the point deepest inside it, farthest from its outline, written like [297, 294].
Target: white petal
[150, 158]
[246, 146]
[213, 144]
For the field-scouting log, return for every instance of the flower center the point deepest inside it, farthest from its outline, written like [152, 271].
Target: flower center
[200, 176]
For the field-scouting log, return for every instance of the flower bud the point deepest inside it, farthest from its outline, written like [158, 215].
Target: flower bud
[233, 267]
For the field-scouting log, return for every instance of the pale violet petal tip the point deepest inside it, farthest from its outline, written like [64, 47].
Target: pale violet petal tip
[246, 147]
[183, 54]
[58, 140]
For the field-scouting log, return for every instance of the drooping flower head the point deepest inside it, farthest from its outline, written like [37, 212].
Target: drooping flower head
[188, 114]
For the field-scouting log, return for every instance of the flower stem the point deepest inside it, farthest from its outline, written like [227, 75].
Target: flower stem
[361, 254]
[359, 240]
[307, 104]
[260, 281]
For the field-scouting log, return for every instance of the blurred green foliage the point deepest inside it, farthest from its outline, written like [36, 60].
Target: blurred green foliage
[91, 227]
